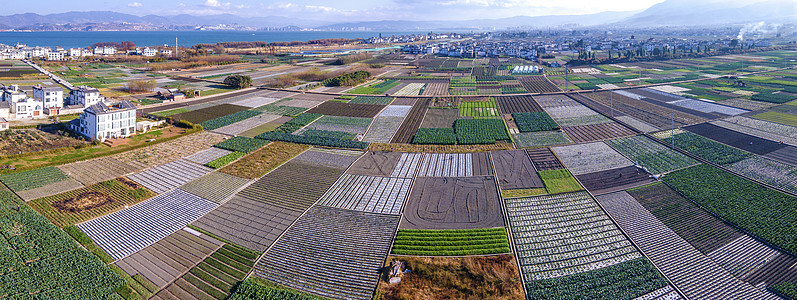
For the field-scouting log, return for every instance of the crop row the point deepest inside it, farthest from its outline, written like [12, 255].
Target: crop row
[254, 289]
[766, 213]
[376, 89]
[372, 100]
[534, 121]
[437, 136]
[33, 179]
[298, 122]
[478, 108]
[311, 140]
[228, 119]
[480, 131]
[656, 158]
[224, 160]
[710, 150]
[559, 181]
[451, 242]
[241, 144]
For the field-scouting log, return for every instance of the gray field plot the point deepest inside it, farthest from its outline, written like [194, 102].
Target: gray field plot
[368, 193]
[759, 128]
[589, 158]
[167, 259]
[255, 101]
[453, 203]
[169, 176]
[340, 253]
[708, 107]
[215, 186]
[541, 138]
[548, 101]
[132, 229]
[455, 165]
[692, 272]
[101, 169]
[514, 170]
[300, 103]
[344, 124]
[383, 129]
[340, 159]
[387, 164]
[768, 171]
[249, 223]
[239, 127]
[50, 189]
[294, 185]
[637, 124]
[440, 118]
[574, 115]
[207, 155]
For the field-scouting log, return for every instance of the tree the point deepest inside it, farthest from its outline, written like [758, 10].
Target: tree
[238, 81]
[141, 85]
[734, 43]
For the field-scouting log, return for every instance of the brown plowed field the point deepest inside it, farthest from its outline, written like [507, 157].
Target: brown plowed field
[341, 109]
[453, 203]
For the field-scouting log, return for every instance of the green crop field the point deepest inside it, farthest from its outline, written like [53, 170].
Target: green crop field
[451, 242]
[559, 181]
[479, 109]
[712, 151]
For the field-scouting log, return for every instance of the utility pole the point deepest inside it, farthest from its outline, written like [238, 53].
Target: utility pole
[175, 47]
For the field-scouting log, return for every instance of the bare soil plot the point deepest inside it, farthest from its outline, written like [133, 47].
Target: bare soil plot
[597, 132]
[386, 164]
[210, 113]
[168, 259]
[132, 229]
[215, 186]
[368, 193]
[333, 261]
[404, 101]
[604, 182]
[294, 185]
[15, 141]
[692, 272]
[537, 84]
[265, 159]
[786, 155]
[436, 89]
[332, 108]
[440, 118]
[172, 150]
[453, 203]
[255, 101]
[516, 104]
[652, 114]
[239, 127]
[455, 165]
[514, 170]
[169, 176]
[589, 158]
[551, 101]
[544, 159]
[333, 158]
[207, 155]
[411, 123]
[637, 124]
[759, 128]
[50, 189]
[736, 139]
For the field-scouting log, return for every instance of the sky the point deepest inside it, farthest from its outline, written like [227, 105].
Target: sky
[338, 10]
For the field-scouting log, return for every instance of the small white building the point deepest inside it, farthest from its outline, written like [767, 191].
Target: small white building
[51, 97]
[21, 106]
[5, 110]
[104, 51]
[85, 96]
[100, 122]
[55, 56]
[150, 51]
[166, 52]
[3, 124]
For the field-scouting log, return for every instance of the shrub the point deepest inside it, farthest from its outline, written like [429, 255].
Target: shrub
[238, 81]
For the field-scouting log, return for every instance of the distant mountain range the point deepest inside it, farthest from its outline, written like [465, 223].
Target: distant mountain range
[668, 13]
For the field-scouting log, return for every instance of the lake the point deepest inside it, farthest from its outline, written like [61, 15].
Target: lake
[80, 39]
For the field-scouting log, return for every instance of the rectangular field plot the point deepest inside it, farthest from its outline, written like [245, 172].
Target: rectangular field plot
[411, 123]
[169, 176]
[597, 132]
[762, 129]
[97, 170]
[255, 101]
[32, 179]
[386, 124]
[516, 104]
[207, 155]
[544, 159]
[265, 159]
[167, 259]
[692, 272]
[455, 165]
[387, 164]
[655, 157]
[514, 170]
[567, 116]
[564, 234]
[368, 193]
[637, 124]
[333, 261]
[453, 203]
[440, 118]
[172, 150]
[451, 242]
[333, 158]
[589, 158]
[241, 126]
[657, 116]
[132, 229]
[96, 200]
[294, 185]
[354, 126]
[50, 189]
[372, 100]
[614, 180]
[252, 224]
[708, 107]
[767, 171]
[215, 186]
[340, 109]
[542, 138]
[739, 140]
[209, 113]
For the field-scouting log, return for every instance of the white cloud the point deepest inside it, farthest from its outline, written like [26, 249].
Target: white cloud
[135, 4]
[216, 3]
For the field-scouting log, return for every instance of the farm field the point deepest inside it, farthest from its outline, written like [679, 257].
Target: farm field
[239, 127]
[372, 100]
[597, 132]
[330, 238]
[265, 159]
[241, 144]
[559, 181]
[170, 151]
[129, 230]
[608, 181]
[777, 117]
[165, 260]
[436, 89]
[33, 179]
[762, 129]
[340, 109]
[386, 164]
[563, 235]
[516, 104]
[207, 155]
[541, 138]
[589, 158]
[372, 194]
[654, 157]
[451, 242]
[656, 116]
[412, 89]
[534, 121]
[544, 159]
[411, 123]
[214, 186]
[678, 260]
[386, 124]
[457, 277]
[736, 139]
[353, 126]
[537, 84]
[209, 113]
[453, 203]
[455, 165]
[16, 141]
[514, 170]
[89, 202]
[169, 176]
[707, 149]
[479, 109]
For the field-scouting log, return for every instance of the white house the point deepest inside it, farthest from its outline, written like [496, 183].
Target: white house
[150, 51]
[166, 52]
[85, 96]
[104, 51]
[55, 56]
[51, 97]
[21, 106]
[100, 122]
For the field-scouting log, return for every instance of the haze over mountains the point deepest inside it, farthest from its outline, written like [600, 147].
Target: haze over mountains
[668, 13]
